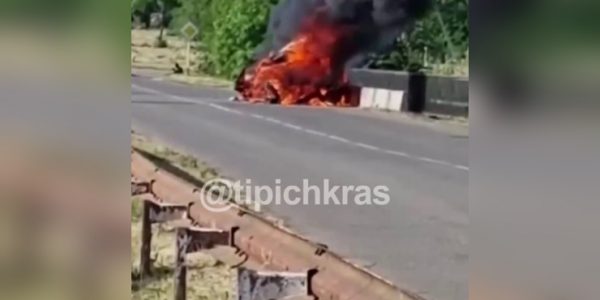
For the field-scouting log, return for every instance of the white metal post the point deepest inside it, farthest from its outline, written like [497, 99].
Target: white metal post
[187, 57]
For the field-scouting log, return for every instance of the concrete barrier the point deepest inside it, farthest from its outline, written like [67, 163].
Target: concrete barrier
[412, 92]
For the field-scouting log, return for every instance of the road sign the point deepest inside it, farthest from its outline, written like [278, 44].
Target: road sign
[189, 30]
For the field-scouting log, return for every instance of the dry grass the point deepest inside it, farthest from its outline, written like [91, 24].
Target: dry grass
[207, 277]
[188, 164]
[145, 56]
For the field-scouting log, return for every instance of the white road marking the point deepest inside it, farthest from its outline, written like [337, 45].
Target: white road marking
[397, 153]
[338, 138]
[367, 146]
[272, 120]
[227, 109]
[292, 126]
[144, 97]
[175, 97]
[309, 131]
[315, 132]
[460, 167]
[433, 161]
[141, 88]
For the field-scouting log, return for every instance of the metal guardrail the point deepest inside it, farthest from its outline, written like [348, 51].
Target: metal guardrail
[282, 252]
[425, 93]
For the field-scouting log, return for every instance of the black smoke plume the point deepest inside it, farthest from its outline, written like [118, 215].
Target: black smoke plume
[378, 23]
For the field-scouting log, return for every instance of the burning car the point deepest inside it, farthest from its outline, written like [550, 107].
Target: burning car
[306, 71]
[310, 68]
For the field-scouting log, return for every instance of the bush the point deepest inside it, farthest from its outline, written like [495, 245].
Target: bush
[437, 43]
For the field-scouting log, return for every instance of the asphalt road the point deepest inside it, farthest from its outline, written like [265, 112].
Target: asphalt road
[419, 240]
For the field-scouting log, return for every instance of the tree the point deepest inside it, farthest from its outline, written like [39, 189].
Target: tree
[165, 6]
[440, 38]
[230, 31]
[145, 8]
[199, 12]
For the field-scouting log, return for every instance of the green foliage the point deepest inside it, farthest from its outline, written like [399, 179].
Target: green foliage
[143, 8]
[141, 5]
[229, 31]
[199, 12]
[438, 43]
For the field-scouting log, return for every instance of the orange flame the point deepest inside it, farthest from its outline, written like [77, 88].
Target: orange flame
[308, 70]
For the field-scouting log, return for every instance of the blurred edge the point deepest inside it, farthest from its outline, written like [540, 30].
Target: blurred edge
[534, 168]
[64, 160]
[64, 127]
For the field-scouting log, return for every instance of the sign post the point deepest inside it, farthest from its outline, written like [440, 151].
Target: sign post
[189, 31]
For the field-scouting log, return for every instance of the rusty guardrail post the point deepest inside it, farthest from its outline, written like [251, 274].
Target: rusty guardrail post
[180, 275]
[156, 212]
[153, 211]
[140, 187]
[145, 251]
[192, 239]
